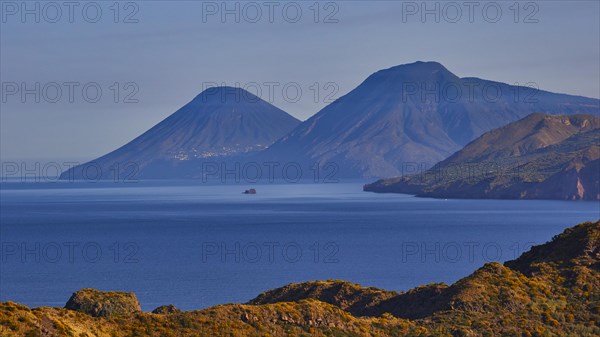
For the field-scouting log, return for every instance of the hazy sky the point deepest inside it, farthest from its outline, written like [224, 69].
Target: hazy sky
[161, 54]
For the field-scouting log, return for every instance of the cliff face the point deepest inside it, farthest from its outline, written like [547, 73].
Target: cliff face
[538, 157]
[552, 290]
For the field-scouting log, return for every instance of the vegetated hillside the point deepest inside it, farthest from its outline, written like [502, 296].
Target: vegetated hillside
[538, 157]
[552, 290]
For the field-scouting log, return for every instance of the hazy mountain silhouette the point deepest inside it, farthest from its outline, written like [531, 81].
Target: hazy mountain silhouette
[220, 122]
[414, 113]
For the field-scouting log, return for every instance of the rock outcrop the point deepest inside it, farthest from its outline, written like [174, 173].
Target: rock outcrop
[103, 304]
[166, 310]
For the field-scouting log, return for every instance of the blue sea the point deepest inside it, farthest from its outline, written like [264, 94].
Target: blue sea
[196, 245]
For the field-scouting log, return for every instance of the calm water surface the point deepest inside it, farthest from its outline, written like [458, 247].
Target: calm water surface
[196, 245]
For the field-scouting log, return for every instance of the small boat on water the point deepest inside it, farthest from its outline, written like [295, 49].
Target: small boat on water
[250, 191]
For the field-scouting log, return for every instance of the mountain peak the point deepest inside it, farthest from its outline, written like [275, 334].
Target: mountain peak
[226, 94]
[419, 72]
[418, 66]
[424, 64]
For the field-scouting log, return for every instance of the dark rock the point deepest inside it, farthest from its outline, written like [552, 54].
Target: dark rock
[166, 309]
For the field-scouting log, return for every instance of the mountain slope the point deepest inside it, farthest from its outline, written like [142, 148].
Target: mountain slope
[219, 122]
[415, 113]
[552, 290]
[537, 157]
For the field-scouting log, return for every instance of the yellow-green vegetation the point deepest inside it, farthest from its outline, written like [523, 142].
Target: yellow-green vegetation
[552, 290]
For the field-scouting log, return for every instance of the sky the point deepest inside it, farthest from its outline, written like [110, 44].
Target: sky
[104, 74]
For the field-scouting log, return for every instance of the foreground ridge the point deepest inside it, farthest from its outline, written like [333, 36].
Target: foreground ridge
[552, 290]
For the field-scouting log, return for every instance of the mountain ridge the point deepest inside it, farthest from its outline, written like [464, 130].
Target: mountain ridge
[417, 113]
